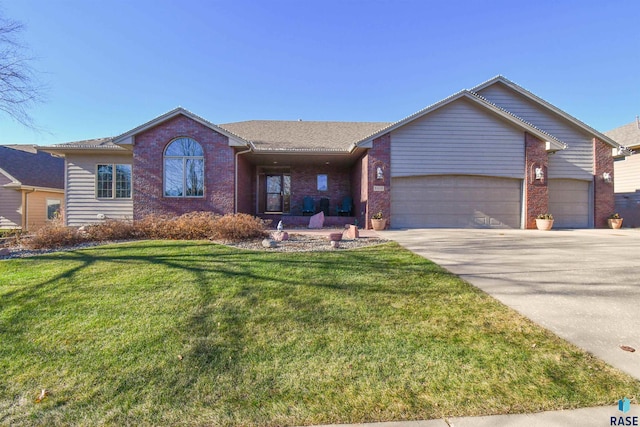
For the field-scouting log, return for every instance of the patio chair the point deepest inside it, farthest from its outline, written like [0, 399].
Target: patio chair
[308, 206]
[345, 208]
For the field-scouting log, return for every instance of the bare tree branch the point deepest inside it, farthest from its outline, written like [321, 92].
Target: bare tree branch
[19, 87]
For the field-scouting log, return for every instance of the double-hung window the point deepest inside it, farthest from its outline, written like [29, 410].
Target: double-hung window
[183, 169]
[113, 181]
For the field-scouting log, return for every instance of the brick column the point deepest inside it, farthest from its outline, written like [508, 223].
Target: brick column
[379, 190]
[536, 191]
[604, 199]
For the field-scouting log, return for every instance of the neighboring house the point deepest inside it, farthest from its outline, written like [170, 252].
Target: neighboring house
[627, 174]
[31, 187]
[492, 156]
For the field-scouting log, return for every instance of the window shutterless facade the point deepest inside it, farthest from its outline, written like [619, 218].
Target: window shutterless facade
[183, 168]
[113, 181]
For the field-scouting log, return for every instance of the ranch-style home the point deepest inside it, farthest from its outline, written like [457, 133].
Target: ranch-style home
[31, 187]
[492, 156]
[627, 172]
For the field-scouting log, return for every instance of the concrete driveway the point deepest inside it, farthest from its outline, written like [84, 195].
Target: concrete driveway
[584, 285]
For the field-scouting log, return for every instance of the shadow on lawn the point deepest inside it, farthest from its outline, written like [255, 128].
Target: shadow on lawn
[215, 331]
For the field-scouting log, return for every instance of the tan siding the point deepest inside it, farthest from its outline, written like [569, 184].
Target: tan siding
[627, 174]
[460, 138]
[82, 206]
[10, 205]
[576, 161]
[627, 189]
[37, 208]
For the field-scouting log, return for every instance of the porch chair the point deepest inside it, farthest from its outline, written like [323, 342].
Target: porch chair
[308, 206]
[345, 208]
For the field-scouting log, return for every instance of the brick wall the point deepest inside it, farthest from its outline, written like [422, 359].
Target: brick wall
[604, 199]
[536, 192]
[304, 183]
[245, 185]
[379, 156]
[148, 170]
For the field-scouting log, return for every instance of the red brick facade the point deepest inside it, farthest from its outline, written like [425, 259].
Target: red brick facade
[604, 199]
[378, 191]
[148, 167]
[536, 191]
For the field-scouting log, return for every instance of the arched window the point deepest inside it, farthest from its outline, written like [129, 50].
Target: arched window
[183, 169]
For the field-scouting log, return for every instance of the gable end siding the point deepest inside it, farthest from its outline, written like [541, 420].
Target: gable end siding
[460, 138]
[576, 161]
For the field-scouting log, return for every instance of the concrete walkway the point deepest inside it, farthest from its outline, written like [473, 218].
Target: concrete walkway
[586, 417]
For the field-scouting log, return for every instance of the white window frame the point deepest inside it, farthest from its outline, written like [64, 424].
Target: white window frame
[56, 202]
[184, 168]
[114, 181]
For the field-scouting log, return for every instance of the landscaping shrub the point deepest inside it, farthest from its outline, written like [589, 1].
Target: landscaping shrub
[190, 226]
[112, 229]
[239, 227]
[53, 235]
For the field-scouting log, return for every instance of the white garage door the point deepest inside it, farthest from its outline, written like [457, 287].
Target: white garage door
[455, 201]
[569, 203]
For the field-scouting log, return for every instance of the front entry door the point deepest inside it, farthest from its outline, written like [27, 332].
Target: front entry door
[278, 193]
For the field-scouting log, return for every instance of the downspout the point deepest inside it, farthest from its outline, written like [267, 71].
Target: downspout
[236, 177]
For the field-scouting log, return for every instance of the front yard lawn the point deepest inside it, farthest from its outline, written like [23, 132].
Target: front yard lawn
[193, 333]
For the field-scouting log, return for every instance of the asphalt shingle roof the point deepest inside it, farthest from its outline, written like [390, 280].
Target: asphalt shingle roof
[273, 135]
[627, 135]
[31, 167]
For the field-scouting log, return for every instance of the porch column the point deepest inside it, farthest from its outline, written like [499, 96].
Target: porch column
[603, 196]
[379, 179]
[536, 189]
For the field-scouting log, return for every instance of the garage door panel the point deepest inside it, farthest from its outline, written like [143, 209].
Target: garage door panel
[569, 203]
[456, 201]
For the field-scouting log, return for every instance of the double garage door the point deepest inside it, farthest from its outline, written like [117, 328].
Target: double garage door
[457, 201]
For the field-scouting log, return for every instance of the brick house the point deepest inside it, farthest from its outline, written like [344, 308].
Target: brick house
[493, 156]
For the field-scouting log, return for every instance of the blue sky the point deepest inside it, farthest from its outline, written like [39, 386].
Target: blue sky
[113, 65]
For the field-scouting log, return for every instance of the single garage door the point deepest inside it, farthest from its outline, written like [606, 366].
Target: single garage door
[455, 201]
[569, 203]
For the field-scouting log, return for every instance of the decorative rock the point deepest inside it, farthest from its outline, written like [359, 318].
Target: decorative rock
[280, 236]
[335, 244]
[317, 220]
[335, 237]
[268, 243]
[352, 231]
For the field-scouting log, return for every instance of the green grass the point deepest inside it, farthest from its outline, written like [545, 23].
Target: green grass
[271, 339]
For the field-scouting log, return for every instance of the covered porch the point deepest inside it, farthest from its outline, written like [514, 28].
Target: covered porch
[293, 187]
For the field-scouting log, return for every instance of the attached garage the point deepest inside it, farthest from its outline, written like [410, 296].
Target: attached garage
[569, 203]
[456, 201]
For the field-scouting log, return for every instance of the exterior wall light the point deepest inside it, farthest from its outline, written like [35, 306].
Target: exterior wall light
[607, 177]
[539, 173]
[379, 173]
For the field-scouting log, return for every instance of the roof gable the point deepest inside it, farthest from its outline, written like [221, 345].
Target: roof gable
[26, 166]
[547, 105]
[553, 143]
[128, 138]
